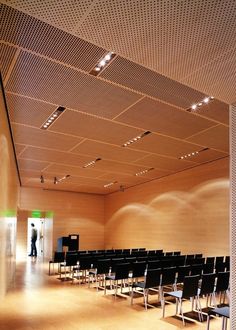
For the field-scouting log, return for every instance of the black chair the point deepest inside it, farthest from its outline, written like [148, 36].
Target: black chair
[126, 251]
[220, 267]
[151, 252]
[210, 260]
[190, 290]
[219, 260]
[70, 262]
[121, 274]
[114, 262]
[151, 281]
[153, 264]
[198, 255]
[222, 285]
[208, 268]
[196, 269]
[58, 258]
[189, 258]
[85, 265]
[207, 287]
[182, 272]
[138, 270]
[177, 253]
[168, 254]
[168, 278]
[102, 270]
[224, 312]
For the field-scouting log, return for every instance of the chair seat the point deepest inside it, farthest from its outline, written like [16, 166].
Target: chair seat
[177, 294]
[221, 311]
[139, 285]
[110, 277]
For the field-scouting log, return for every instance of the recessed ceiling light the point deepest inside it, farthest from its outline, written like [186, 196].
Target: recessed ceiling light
[92, 162]
[194, 153]
[101, 65]
[144, 171]
[109, 184]
[198, 105]
[135, 139]
[52, 117]
[56, 180]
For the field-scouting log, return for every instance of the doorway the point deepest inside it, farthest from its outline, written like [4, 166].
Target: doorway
[39, 224]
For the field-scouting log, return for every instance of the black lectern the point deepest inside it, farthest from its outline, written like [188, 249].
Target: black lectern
[71, 241]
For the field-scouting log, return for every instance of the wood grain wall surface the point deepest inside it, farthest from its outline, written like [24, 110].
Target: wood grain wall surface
[72, 213]
[187, 211]
[9, 186]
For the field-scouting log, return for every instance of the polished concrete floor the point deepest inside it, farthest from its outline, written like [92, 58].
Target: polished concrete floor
[43, 302]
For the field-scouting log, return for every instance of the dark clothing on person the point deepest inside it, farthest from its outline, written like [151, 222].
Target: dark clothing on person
[33, 243]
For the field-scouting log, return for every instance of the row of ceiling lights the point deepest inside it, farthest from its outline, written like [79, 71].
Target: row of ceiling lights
[53, 117]
[198, 105]
[194, 153]
[135, 139]
[102, 63]
[55, 179]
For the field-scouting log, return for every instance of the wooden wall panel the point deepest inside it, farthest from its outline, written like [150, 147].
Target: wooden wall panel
[9, 186]
[187, 211]
[72, 213]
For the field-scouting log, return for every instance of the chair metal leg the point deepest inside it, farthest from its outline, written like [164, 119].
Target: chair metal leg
[132, 296]
[208, 322]
[181, 311]
[145, 298]
[163, 307]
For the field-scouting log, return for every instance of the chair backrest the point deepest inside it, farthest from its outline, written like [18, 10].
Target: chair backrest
[222, 283]
[198, 255]
[190, 286]
[153, 278]
[168, 254]
[210, 260]
[115, 262]
[59, 256]
[122, 271]
[182, 271]
[219, 259]
[208, 268]
[168, 276]
[154, 264]
[151, 252]
[103, 266]
[196, 269]
[198, 261]
[177, 253]
[138, 269]
[208, 283]
[85, 262]
[220, 267]
[71, 259]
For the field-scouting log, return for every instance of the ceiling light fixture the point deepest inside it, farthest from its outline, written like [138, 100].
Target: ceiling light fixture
[102, 63]
[144, 171]
[41, 179]
[56, 180]
[52, 117]
[126, 144]
[198, 105]
[92, 162]
[109, 184]
[191, 154]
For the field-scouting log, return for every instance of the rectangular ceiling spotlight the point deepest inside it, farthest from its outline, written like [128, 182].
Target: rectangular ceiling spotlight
[135, 139]
[92, 162]
[110, 184]
[144, 171]
[101, 65]
[192, 154]
[52, 117]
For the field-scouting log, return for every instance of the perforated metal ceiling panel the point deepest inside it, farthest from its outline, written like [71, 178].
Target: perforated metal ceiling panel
[44, 139]
[6, 56]
[54, 156]
[59, 42]
[28, 164]
[74, 170]
[21, 29]
[159, 117]
[49, 81]
[216, 110]
[73, 122]
[26, 111]
[161, 162]
[64, 13]
[216, 138]
[138, 78]
[163, 145]
[107, 151]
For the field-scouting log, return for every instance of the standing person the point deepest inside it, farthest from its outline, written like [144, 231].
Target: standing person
[33, 241]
